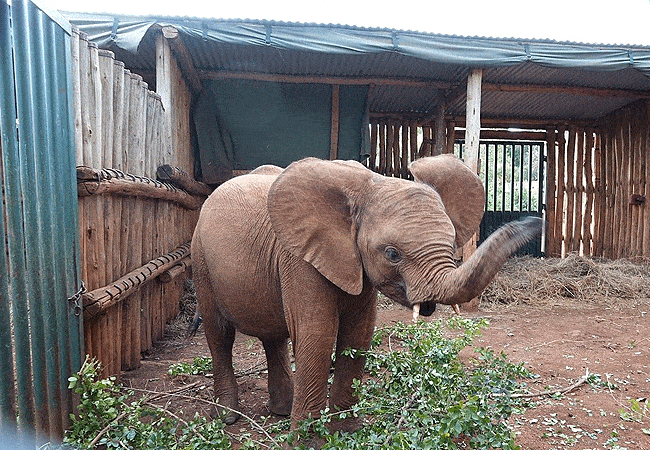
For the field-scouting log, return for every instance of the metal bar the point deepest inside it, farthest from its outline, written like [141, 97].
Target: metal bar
[521, 176]
[512, 177]
[530, 178]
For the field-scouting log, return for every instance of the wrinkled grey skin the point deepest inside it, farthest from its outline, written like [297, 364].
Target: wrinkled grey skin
[300, 253]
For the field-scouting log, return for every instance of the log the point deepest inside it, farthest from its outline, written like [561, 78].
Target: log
[101, 299]
[182, 180]
[112, 181]
[451, 136]
[171, 273]
[372, 162]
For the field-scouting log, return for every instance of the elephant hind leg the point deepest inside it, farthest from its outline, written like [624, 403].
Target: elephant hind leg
[221, 337]
[280, 376]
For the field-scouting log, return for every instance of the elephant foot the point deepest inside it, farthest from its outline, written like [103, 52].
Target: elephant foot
[281, 407]
[225, 415]
[347, 425]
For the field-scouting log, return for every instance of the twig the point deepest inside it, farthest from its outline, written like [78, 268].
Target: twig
[106, 428]
[210, 402]
[164, 409]
[405, 408]
[577, 384]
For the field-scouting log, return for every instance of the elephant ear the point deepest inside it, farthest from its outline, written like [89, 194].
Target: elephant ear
[461, 190]
[310, 207]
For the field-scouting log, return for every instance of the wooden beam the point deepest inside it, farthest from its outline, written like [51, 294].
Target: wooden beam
[334, 133]
[183, 57]
[413, 82]
[506, 135]
[570, 90]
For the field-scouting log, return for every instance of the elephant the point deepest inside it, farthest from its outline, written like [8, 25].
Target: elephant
[301, 253]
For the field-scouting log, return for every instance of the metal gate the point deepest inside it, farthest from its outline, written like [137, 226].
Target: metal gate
[513, 175]
[39, 321]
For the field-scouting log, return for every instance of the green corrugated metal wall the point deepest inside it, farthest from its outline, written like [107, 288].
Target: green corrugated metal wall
[39, 327]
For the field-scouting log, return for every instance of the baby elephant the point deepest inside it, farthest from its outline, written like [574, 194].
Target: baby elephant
[300, 253]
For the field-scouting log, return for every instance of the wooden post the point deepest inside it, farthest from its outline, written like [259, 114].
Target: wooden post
[472, 136]
[334, 133]
[440, 138]
[451, 136]
[551, 243]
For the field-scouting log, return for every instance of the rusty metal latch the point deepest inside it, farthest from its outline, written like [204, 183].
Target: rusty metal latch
[76, 299]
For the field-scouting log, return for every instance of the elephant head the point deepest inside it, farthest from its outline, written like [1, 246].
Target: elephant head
[351, 223]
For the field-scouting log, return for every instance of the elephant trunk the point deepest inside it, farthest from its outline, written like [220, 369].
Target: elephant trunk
[462, 284]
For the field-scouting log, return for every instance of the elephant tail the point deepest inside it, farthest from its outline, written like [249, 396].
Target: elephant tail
[194, 326]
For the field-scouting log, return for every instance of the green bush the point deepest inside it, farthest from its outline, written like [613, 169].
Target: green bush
[418, 394]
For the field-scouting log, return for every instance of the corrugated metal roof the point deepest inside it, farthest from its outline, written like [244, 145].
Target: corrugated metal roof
[361, 53]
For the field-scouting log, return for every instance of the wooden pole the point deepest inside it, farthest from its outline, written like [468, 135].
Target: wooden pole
[551, 243]
[451, 136]
[334, 132]
[646, 178]
[440, 138]
[472, 137]
[560, 193]
[588, 246]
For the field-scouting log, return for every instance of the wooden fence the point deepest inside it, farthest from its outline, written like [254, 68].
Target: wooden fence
[132, 228]
[598, 184]
[597, 176]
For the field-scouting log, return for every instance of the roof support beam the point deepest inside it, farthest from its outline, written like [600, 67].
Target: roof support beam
[570, 90]
[183, 57]
[472, 134]
[278, 78]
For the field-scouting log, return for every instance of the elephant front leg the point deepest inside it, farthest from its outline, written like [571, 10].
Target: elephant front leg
[356, 327]
[280, 380]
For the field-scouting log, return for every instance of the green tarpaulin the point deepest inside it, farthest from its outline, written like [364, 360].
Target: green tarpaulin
[242, 124]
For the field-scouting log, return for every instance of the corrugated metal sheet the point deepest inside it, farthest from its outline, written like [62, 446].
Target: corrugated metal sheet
[39, 247]
[343, 51]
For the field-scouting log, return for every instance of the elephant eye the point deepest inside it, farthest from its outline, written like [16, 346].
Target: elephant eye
[392, 254]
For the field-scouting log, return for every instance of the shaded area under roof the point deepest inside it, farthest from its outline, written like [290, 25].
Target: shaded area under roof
[419, 70]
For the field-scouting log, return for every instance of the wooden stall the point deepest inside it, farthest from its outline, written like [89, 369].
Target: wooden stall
[134, 229]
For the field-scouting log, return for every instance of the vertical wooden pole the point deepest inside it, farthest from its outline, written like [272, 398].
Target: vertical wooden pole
[599, 194]
[580, 190]
[570, 189]
[646, 177]
[451, 136]
[372, 162]
[551, 244]
[588, 246]
[334, 133]
[472, 136]
[560, 193]
[440, 142]
[405, 150]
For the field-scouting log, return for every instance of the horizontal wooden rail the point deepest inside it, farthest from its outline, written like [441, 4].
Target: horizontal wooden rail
[111, 181]
[101, 299]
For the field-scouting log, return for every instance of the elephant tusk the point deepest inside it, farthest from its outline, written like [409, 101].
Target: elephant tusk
[416, 312]
[456, 308]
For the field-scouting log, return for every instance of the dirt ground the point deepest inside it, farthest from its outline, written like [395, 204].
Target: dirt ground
[560, 343]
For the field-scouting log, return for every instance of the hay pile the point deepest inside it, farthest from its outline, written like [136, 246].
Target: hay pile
[535, 281]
